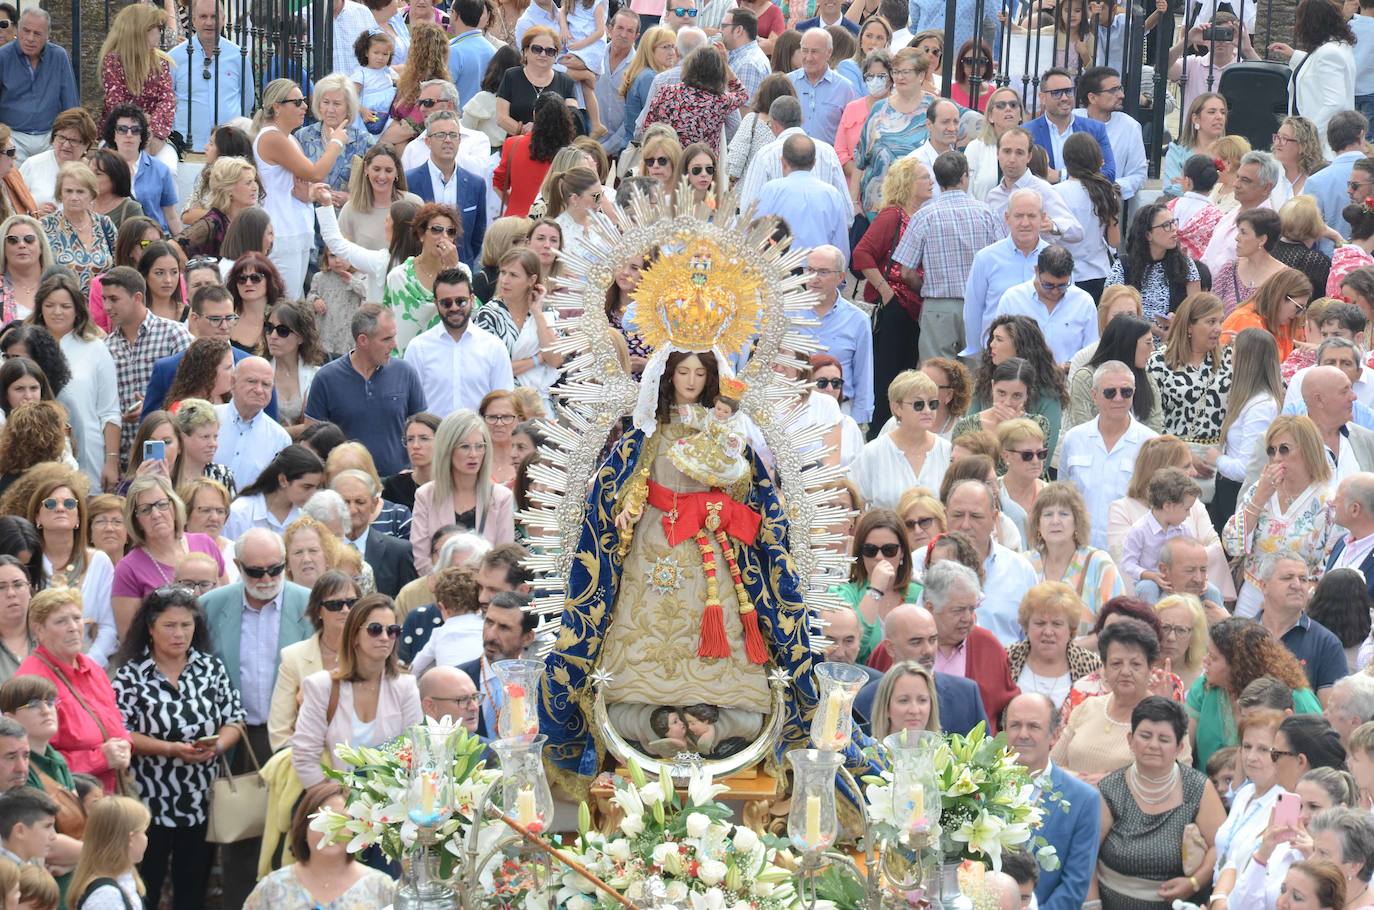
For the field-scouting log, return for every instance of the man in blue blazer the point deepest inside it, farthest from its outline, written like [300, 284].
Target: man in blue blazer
[1355, 512]
[250, 622]
[1073, 820]
[442, 180]
[1052, 128]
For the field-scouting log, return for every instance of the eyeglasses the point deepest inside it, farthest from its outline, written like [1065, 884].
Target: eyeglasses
[416, 440]
[471, 448]
[260, 571]
[1280, 139]
[500, 420]
[196, 587]
[437, 229]
[1282, 448]
[281, 331]
[1066, 92]
[904, 71]
[252, 278]
[1054, 287]
[1300, 306]
[335, 605]
[60, 139]
[920, 404]
[1006, 105]
[923, 523]
[376, 630]
[658, 161]
[681, 11]
[427, 103]
[1127, 393]
[448, 303]
[162, 505]
[33, 704]
[870, 550]
[1029, 455]
[4, 25]
[26, 239]
[447, 136]
[15, 587]
[211, 511]
[11, 152]
[125, 129]
[1166, 631]
[543, 51]
[107, 521]
[462, 701]
[708, 169]
[1354, 185]
[823, 273]
[1276, 754]
[222, 320]
[1114, 90]
[51, 504]
[1169, 225]
[836, 383]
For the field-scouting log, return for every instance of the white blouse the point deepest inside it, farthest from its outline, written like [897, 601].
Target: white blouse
[1244, 434]
[884, 474]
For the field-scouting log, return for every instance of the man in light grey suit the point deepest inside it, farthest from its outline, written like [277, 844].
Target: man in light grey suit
[250, 622]
[1329, 396]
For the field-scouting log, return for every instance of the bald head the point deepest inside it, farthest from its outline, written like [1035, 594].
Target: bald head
[252, 386]
[1327, 393]
[911, 634]
[843, 628]
[448, 691]
[1004, 887]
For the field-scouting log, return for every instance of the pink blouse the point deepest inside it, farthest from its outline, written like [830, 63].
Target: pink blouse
[1345, 260]
[851, 128]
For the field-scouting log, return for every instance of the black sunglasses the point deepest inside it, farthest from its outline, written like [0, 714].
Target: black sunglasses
[376, 630]
[67, 503]
[1031, 454]
[337, 604]
[427, 103]
[281, 331]
[920, 404]
[543, 51]
[708, 169]
[922, 523]
[260, 571]
[1127, 393]
[12, 152]
[658, 161]
[870, 550]
[252, 278]
[830, 383]
[440, 229]
[448, 303]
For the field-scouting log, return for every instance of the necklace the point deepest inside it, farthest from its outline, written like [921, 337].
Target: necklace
[1044, 685]
[1152, 790]
[1112, 723]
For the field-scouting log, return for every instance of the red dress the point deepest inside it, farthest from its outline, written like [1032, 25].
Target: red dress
[79, 736]
[520, 174]
[158, 99]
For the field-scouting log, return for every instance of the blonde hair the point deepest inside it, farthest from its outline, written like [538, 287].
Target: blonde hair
[328, 542]
[112, 821]
[9, 876]
[1193, 309]
[224, 175]
[452, 430]
[1197, 642]
[354, 456]
[274, 94]
[502, 235]
[48, 601]
[925, 499]
[38, 888]
[136, 489]
[1156, 452]
[1020, 429]
[882, 720]
[899, 184]
[911, 382]
[644, 55]
[81, 173]
[1051, 597]
[1306, 437]
[1302, 221]
[1109, 296]
[128, 40]
[1231, 149]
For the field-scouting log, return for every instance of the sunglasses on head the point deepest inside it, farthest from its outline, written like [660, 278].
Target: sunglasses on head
[658, 161]
[437, 229]
[260, 571]
[1127, 393]
[543, 51]
[920, 404]
[1282, 448]
[708, 169]
[835, 383]
[281, 331]
[52, 503]
[339, 603]
[1031, 454]
[376, 630]
[870, 550]
[252, 278]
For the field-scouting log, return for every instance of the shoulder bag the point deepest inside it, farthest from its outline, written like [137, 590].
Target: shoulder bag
[124, 779]
[99, 883]
[238, 802]
[71, 815]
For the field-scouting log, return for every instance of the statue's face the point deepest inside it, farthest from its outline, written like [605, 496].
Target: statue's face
[689, 380]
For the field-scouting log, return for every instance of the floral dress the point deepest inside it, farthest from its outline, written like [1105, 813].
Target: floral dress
[68, 250]
[696, 114]
[1308, 527]
[157, 99]
[1195, 229]
[1091, 573]
[312, 146]
[1193, 398]
[1227, 285]
[887, 136]
[409, 301]
[1345, 260]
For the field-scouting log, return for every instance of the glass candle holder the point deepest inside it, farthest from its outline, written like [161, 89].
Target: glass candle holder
[916, 797]
[812, 824]
[525, 794]
[832, 724]
[519, 712]
[429, 793]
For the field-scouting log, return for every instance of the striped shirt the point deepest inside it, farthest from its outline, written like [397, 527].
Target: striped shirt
[965, 226]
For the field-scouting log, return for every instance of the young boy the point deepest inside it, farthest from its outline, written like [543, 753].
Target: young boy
[1171, 494]
[1221, 768]
[28, 825]
[37, 889]
[459, 639]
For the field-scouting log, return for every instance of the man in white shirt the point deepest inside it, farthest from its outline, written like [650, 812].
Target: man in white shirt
[1256, 178]
[972, 507]
[1354, 504]
[248, 438]
[351, 19]
[1013, 157]
[1066, 313]
[942, 118]
[1099, 456]
[785, 119]
[461, 363]
[1101, 87]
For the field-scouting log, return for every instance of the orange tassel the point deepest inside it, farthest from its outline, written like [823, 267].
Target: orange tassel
[753, 638]
[713, 642]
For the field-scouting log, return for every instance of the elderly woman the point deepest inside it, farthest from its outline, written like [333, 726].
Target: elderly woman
[1252, 806]
[1048, 661]
[207, 509]
[905, 700]
[1146, 806]
[923, 515]
[334, 104]
[895, 128]
[311, 550]
[1291, 507]
[74, 131]
[911, 455]
[167, 650]
[373, 700]
[1182, 635]
[1240, 651]
[90, 733]
[879, 577]
[1094, 743]
[952, 594]
[81, 239]
[233, 187]
[876, 84]
[331, 598]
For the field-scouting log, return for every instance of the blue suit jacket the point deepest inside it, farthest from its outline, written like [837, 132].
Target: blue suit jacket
[1075, 835]
[165, 370]
[961, 704]
[224, 615]
[815, 22]
[1367, 566]
[1040, 132]
[472, 205]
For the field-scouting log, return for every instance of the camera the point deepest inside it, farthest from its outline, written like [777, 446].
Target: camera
[1219, 33]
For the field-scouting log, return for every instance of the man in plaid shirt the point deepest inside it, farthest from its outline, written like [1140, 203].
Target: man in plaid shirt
[138, 339]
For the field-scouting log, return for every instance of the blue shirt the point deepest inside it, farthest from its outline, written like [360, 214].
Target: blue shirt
[823, 103]
[248, 446]
[468, 56]
[924, 14]
[1318, 650]
[154, 187]
[995, 269]
[815, 211]
[372, 411]
[846, 334]
[208, 103]
[31, 99]
[1328, 187]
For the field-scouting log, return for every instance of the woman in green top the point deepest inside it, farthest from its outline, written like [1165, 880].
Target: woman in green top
[880, 577]
[409, 292]
[1240, 651]
[1034, 389]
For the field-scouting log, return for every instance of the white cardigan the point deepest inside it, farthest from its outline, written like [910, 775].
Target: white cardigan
[371, 263]
[1323, 86]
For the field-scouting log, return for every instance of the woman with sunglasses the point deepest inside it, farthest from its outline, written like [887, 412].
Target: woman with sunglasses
[274, 500]
[972, 58]
[1290, 508]
[1277, 308]
[365, 701]
[15, 197]
[572, 198]
[332, 596]
[880, 577]
[701, 166]
[24, 256]
[1002, 111]
[1023, 451]
[522, 87]
[182, 713]
[293, 346]
[409, 290]
[911, 455]
[256, 286]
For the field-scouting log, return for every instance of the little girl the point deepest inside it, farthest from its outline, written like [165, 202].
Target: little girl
[375, 79]
[106, 875]
[583, 31]
[336, 292]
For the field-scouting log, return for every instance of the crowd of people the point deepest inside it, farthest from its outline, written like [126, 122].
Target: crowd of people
[270, 421]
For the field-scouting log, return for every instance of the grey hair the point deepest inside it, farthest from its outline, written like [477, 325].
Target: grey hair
[1025, 193]
[1359, 695]
[254, 534]
[335, 82]
[442, 115]
[326, 506]
[467, 549]
[1270, 564]
[11, 728]
[689, 38]
[944, 579]
[1336, 341]
[450, 91]
[829, 41]
[43, 14]
[364, 478]
[1354, 828]
[1269, 167]
[1110, 368]
[785, 111]
[1166, 552]
[835, 253]
[1359, 487]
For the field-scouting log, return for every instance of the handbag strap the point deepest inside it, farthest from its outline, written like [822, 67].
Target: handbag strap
[104, 734]
[333, 702]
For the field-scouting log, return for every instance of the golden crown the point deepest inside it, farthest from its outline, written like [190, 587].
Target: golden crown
[698, 297]
[732, 388]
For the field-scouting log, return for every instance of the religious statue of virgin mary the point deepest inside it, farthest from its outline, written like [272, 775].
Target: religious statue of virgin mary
[679, 574]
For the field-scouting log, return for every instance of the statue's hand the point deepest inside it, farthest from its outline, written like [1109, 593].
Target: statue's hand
[624, 519]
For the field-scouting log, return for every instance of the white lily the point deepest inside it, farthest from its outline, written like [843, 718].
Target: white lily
[745, 839]
[628, 800]
[712, 899]
[651, 794]
[701, 791]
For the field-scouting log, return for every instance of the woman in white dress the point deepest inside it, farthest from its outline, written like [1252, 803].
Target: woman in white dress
[912, 455]
[516, 316]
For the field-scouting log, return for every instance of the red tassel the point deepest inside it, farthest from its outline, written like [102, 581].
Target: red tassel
[753, 638]
[713, 642]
